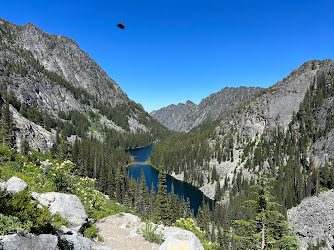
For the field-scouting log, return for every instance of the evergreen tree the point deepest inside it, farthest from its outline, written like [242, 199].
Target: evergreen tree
[6, 126]
[173, 210]
[142, 204]
[161, 211]
[268, 229]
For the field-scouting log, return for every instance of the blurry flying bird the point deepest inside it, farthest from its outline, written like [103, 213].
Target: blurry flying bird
[121, 25]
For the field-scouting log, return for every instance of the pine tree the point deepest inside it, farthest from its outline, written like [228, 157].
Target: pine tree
[6, 126]
[173, 210]
[153, 200]
[161, 211]
[268, 228]
[142, 203]
[188, 213]
[75, 151]
[218, 193]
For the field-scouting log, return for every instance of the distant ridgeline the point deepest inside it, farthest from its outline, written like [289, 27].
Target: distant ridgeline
[191, 117]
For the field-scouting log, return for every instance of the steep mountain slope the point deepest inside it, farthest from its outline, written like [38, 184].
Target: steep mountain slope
[292, 120]
[185, 117]
[52, 74]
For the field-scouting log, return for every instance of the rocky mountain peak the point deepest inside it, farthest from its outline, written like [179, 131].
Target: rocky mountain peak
[190, 103]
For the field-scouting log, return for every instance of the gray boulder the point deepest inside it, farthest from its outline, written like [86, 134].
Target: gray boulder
[67, 205]
[177, 238]
[28, 242]
[15, 185]
[78, 242]
[313, 220]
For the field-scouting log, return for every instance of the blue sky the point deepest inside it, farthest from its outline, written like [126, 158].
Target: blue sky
[172, 51]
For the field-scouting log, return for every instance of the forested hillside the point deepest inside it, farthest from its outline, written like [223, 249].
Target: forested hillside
[285, 132]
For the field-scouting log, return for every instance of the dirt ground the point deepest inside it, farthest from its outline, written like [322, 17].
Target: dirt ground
[123, 232]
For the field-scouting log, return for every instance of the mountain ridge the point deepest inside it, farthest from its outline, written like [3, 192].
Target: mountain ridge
[188, 116]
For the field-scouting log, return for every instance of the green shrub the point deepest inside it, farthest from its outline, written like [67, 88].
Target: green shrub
[7, 154]
[150, 235]
[59, 221]
[91, 232]
[10, 224]
[27, 211]
[61, 176]
[190, 225]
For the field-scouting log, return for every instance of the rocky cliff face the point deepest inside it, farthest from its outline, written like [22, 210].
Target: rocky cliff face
[185, 117]
[63, 56]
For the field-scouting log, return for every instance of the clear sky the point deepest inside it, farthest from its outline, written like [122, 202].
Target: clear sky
[172, 51]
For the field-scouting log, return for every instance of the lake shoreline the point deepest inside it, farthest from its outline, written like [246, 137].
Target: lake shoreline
[182, 188]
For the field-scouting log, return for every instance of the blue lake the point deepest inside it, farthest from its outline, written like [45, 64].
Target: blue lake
[181, 188]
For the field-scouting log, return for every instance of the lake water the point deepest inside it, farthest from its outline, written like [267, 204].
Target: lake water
[181, 188]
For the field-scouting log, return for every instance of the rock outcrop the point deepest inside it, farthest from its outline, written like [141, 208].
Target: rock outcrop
[78, 242]
[67, 205]
[29, 242]
[45, 241]
[177, 238]
[35, 135]
[313, 220]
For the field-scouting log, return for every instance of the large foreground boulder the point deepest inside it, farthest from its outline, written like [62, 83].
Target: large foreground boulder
[45, 241]
[177, 238]
[313, 220]
[28, 242]
[67, 205]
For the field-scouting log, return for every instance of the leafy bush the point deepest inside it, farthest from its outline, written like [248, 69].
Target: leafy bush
[27, 212]
[61, 176]
[91, 232]
[150, 235]
[7, 154]
[59, 221]
[10, 224]
[208, 245]
[190, 225]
